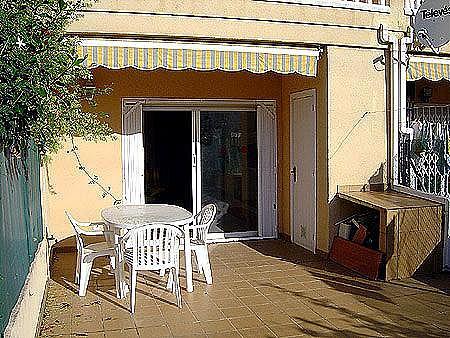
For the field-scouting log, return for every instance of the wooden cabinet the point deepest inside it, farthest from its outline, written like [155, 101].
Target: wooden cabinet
[410, 231]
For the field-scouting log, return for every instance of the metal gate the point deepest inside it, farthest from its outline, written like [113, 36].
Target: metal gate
[21, 228]
[424, 160]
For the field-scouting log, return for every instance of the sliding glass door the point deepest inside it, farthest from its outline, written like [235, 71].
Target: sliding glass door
[229, 169]
[197, 156]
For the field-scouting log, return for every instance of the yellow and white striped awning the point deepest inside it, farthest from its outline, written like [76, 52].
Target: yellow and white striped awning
[433, 69]
[116, 54]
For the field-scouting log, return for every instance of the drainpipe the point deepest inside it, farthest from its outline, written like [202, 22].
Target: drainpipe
[398, 91]
[404, 41]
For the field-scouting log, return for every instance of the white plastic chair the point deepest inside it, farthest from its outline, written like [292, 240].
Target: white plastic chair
[87, 253]
[153, 247]
[197, 233]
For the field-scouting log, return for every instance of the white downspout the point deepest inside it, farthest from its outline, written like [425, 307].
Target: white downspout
[403, 65]
[398, 85]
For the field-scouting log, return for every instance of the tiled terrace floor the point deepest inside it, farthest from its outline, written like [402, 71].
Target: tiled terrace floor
[260, 289]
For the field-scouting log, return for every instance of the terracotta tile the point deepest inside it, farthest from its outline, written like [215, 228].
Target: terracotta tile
[129, 333]
[288, 303]
[286, 330]
[154, 319]
[228, 302]
[89, 335]
[87, 326]
[257, 276]
[231, 334]
[264, 308]
[237, 284]
[246, 322]
[209, 315]
[305, 278]
[245, 292]
[154, 331]
[185, 329]
[260, 332]
[345, 322]
[220, 294]
[330, 310]
[294, 287]
[317, 328]
[260, 282]
[309, 295]
[360, 308]
[181, 318]
[284, 286]
[118, 323]
[284, 280]
[275, 319]
[234, 312]
[116, 313]
[254, 300]
[362, 331]
[216, 326]
[55, 330]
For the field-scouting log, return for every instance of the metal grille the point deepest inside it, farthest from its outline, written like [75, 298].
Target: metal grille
[21, 228]
[432, 114]
[424, 161]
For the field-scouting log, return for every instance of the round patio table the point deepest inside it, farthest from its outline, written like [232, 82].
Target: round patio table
[121, 218]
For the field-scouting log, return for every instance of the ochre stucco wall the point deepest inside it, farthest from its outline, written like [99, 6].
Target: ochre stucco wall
[357, 135]
[342, 99]
[355, 155]
[72, 191]
[243, 19]
[292, 84]
[346, 155]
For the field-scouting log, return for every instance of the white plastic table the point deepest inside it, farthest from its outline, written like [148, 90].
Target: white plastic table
[121, 218]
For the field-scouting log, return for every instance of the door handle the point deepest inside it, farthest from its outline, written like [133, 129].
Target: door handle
[294, 173]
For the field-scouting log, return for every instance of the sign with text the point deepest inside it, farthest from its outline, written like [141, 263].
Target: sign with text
[432, 23]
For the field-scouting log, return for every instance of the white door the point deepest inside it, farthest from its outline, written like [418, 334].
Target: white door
[303, 169]
[132, 155]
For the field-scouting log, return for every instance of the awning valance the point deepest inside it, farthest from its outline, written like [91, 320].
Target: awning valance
[116, 54]
[433, 69]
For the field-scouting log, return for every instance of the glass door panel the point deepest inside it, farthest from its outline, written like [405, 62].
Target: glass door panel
[229, 168]
[168, 156]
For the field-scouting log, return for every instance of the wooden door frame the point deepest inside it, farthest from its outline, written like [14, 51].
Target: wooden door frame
[292, 97]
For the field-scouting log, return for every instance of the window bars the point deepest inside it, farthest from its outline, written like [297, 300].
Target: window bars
[424, 160]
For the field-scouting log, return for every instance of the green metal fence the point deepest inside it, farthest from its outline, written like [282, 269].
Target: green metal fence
[21, 228]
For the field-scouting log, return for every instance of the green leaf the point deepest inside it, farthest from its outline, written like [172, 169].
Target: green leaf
[42, 92]
[79, 61]
[62, 4]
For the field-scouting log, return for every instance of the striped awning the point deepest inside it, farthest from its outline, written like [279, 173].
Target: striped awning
[433, 69]
[117, 54]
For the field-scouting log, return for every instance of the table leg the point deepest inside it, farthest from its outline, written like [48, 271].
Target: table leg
[188, 260]
[120, 266]
[112, 236]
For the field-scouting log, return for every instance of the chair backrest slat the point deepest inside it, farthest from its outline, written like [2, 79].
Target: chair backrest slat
[204, 220]
[78, 231]
[155, 246]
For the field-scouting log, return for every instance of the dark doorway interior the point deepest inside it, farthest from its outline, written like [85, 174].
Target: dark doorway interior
[168, 149]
